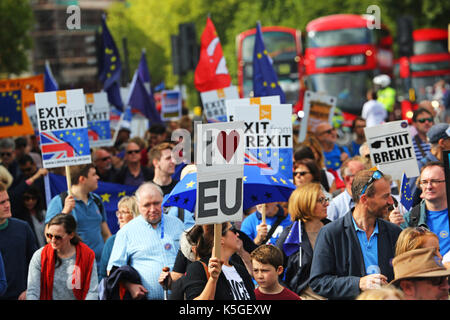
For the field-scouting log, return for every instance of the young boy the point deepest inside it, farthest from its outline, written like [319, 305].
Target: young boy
[267, 262]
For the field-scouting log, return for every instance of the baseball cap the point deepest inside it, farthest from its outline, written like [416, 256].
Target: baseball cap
[438, 131]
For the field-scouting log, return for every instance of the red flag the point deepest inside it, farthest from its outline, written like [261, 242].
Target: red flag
[211, 72]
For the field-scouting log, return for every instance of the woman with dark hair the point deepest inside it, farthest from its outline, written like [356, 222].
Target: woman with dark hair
[30, 208]
[65, 269]
[209, 278]
[306, 171]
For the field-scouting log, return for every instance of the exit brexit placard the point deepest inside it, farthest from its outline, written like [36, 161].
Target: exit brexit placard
[98, 119]
[62, 123]
[391, 149]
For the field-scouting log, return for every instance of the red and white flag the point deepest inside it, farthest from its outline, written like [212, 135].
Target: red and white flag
[211, 72]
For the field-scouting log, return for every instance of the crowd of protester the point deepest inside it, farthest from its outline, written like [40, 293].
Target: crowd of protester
[334, 238]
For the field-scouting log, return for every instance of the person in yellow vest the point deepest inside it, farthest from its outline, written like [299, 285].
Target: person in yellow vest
[386, 94]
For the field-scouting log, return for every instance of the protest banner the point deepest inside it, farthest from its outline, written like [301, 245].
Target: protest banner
[29, 87]
[14, 120]
[317, 108]
[391, 149]
[98, 119]
[220, 172]
[214, 103]
[268, 134]
[62, 123]
[230, 104]
[171, 104]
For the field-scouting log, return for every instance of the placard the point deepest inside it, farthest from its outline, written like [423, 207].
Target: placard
[62, 124]
[391, 149]
[220, 171]
[268, 134]
[171, 102]
[214, 103]
[317, 108]
[98, 119]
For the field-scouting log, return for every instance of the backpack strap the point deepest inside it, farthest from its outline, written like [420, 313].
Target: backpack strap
[414, 216]
[206, 270]
[419, 145]
[280, 218]
[63, 195]
[181, 214]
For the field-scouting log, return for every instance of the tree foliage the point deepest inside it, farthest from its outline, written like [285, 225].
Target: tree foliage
[150, 23]
[16, 21]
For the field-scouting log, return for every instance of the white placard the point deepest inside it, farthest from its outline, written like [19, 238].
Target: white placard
[214, 103]
[98, 117]
[171, 105]
[220, 172]
[391, 149]
[63, 131]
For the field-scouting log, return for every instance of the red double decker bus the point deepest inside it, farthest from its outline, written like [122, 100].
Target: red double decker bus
[429, 63]
[284, 48]
[343, 55]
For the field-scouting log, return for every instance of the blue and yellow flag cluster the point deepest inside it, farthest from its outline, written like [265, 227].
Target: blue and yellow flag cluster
[406, 198]
[265, 80]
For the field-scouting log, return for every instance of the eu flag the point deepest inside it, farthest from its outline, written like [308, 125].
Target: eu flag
[144, 74]
[111, 67]
[50, 83]
[406, 199]
[11, 108]
[110, 194]
[265, 80]
[292, 243]
[139, 99]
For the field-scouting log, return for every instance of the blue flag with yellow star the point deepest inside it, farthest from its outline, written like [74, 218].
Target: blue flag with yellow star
[265, 80]
[406, 198]
[110, 67]
[110, 194]
[11, 108]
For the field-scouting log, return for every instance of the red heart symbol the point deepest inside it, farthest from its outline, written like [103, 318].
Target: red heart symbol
[228, 144]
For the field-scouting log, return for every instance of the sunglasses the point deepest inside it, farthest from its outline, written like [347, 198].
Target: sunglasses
[301, 173]
[375, 176]
[426, 119]
[51, 236]
[133, 151]
[2, 154]
[232, 229]
[26, 169]
[105, 158]
[26, 198]
[329, 131]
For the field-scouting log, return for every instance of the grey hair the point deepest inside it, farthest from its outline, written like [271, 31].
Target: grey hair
[7, 143]
[146, 186]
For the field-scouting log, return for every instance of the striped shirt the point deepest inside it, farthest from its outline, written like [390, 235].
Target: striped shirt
[425, 147]
[148, 250]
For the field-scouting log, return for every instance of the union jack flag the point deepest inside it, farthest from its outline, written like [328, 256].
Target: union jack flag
[54, 148]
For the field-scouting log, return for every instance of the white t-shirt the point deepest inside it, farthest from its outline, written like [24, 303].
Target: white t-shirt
[236, 283]
[374, 113]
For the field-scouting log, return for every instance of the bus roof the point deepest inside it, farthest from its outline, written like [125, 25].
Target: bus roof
[337, 21]
[430, 34]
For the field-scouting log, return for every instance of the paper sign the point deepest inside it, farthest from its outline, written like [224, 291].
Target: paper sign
[98, 119]
[220, 172]
[63, 131]
[214, 103]
[391, 149]
[268, 134]
[317, 108]
[170, 105]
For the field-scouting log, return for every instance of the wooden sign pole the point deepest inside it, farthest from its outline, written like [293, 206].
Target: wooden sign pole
[263, 213]
[217, 237]
[69, 181]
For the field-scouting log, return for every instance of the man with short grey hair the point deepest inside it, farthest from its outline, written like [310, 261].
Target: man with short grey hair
[147, 243]
[8, 157]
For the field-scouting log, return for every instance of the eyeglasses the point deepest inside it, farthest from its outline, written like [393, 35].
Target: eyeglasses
[329, 131]
[301, 173]
[123, 213]
[433, 182]
[2, 154]
[323, 200]
[376, 175]
[232, 229]
[51, 236]
[24, 170]
[133, 151]
[27, 198]
[105, 158]
[426, 119]
[435, 281]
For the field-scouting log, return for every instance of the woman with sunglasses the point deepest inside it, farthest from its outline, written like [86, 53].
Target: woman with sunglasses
[308, 210]
[65, 269]
[30, 208]
[210, 278]
[307, 171]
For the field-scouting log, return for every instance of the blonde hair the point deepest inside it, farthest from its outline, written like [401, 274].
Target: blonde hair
[130, 203]
[383, 293]
[412, 238]
[302, 201]
[5, 177]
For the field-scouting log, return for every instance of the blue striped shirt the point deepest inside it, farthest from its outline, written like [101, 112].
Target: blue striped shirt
[425, 147]
[142, 247]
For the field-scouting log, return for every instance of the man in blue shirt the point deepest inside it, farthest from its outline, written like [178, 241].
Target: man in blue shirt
[91, 220]
[258, 231]
[353, 254]
[334, 155]
[147, 243]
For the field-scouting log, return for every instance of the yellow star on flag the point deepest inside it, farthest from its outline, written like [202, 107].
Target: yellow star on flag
[121, 194]
[283, 181]
[244, 178]
[105, 197]
[190, 184]
[274, 179]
